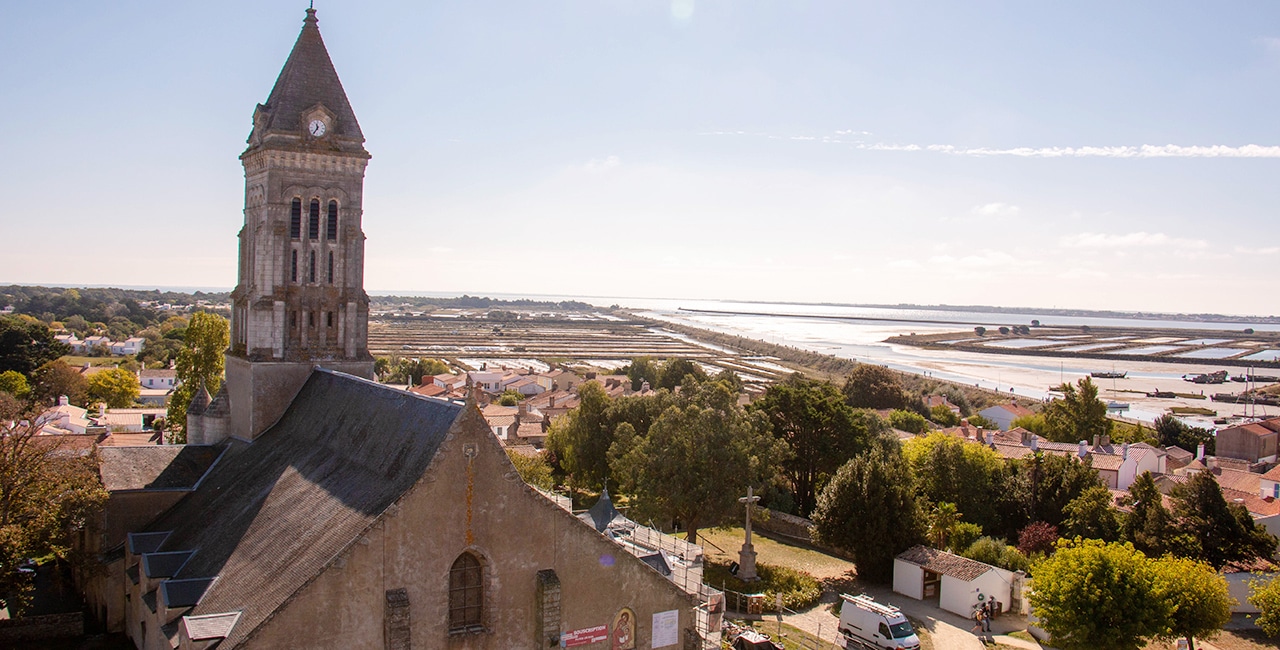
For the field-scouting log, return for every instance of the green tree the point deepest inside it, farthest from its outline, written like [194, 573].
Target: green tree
[535, 470]
[687, 467]
[1214, 531]
[821, 430]
[1200, 602]
[963, 535]
[581, 439]
[976, 420]
[1148, 525]
[27, 344]
[510, 398]
[673, 372]
[1170, 431]
[1265, 595]
[874, 387]
[117, 387]
[942, 522]
[1091, 595]
[642, 369]
[947, 469]
[996, 553]
[944, 416]
[56, 379]
[46, 496]
[1079, 415]
[15, 384]
[200, 362]
[871, 512]
[1054, 481]
[1092, 515]
[908, 421]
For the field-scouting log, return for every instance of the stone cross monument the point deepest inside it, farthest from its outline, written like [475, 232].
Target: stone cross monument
[747, 556]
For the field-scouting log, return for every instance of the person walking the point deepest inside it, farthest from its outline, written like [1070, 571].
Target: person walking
[978, 620]
[989, 612]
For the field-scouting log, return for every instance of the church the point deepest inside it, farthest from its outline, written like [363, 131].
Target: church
[315, 508]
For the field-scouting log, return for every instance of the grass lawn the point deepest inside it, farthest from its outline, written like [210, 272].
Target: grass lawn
[723, 546]
[77, 361]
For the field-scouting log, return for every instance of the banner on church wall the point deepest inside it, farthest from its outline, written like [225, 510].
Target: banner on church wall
[585, 636]
[666, 628]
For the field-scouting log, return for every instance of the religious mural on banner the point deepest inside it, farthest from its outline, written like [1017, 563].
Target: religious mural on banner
[624, 630]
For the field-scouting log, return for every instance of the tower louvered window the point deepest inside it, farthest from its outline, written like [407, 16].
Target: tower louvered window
[295, 219]
[330, 267]
[311, 275]
[466, 594]
[331, 232]
[313, 220]
[293, 267]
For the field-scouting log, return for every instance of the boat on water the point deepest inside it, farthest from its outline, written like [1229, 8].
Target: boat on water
[1109, 375]
[1117, 406]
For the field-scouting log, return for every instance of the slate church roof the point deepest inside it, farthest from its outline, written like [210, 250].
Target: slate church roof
[272, 514]
[308, 78]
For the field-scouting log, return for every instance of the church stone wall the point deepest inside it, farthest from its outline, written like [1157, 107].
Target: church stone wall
[260, 391]
[472, 500]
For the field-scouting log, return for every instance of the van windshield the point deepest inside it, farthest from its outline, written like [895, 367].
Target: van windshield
[901, 630]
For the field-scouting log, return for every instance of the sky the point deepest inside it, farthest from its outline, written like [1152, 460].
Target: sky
[1086, 155]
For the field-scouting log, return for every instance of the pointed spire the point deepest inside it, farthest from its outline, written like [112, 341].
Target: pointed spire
[199, 401]
[308, 79]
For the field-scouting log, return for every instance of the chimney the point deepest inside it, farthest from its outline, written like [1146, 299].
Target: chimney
[1084, 448]
[1106, 440]
[991, 436]
[63, 400]
[1200, 451]
[102, 410]
[551, 402]
[1124, 451]
[522, 409]
[1035, 442]
[1097, 440]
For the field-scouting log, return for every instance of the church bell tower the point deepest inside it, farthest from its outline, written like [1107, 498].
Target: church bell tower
[300, 300]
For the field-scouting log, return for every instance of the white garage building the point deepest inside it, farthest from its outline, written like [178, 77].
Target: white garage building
[957, 583]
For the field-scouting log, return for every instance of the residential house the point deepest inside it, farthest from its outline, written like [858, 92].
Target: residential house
[558, 379]
[1255, 441]
[129, 346]
[958, 583]
[158, 378]
[1004, 414]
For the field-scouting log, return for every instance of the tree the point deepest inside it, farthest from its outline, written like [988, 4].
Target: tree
[947, 469]
[535, 470]
[870, 511]
[1091, 595]
[15, 384]
[117, 387]
[46, 494]
[689, 465]
[996, 553]
[27, 344]
[1170, 431]
[1037, 537]
[963, 535]
[1199, 599]
[510, 397]
[1092, 515]
[874, 387]
[581, 439]
[56, 379]
[1054, 482]
[944, 416]
[673, 372]
[942, 521]
[1214, 531]
[642, 369]
[979, 421]
[1079, 415]
[908, 421]
[1265, 595]
[821, 430]
[1148, 524]
[199, 363]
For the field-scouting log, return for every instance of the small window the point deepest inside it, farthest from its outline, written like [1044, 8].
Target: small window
[328, 319]
[293, 267]
[330, 267]
[311, 277]
[313, 220]
[466, 593]
[293, 319]
[331, 232]
[295, 220]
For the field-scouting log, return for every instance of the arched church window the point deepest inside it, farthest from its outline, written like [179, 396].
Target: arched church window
[311, 275]
[332, 232]
[330, 267]
[313, 220]
[293, 267]
[466, 593]
[295, 219]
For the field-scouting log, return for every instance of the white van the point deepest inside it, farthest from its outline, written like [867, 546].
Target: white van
[864, 623]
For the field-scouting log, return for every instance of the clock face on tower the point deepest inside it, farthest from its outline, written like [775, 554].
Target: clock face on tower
[317, 128]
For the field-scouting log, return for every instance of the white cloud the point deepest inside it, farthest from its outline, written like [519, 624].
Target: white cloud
[600, 166]
[996, 209]
[1268, 250]
[1131, 240]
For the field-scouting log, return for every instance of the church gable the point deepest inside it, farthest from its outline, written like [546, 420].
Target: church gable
[272, 514]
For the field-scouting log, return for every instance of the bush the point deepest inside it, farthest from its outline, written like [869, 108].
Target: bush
[799, 590]
[963, 536]
[908, 421]
[1037, 537]
[996, 553]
